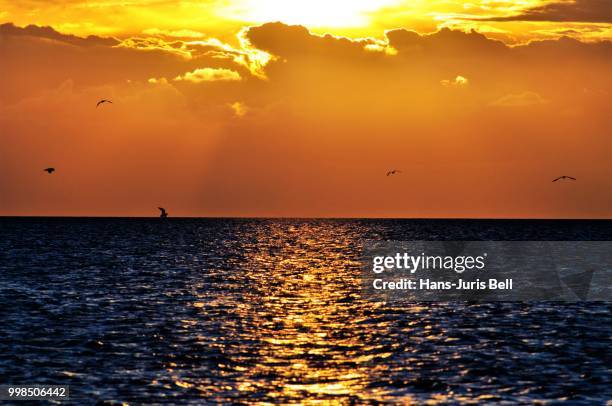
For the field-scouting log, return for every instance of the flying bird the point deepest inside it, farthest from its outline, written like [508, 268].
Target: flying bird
[393, 172]
[103, 101]
[49, 170]
[564, 177]
[163, 213]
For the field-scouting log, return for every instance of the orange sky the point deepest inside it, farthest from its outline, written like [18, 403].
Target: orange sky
[218, 112]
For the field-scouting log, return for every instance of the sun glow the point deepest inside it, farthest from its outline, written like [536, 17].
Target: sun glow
[313, 13]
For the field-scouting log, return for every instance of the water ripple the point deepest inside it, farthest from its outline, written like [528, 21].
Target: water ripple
[271, 311]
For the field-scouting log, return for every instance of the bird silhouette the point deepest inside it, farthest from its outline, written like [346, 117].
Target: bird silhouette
[393, 172]
[49, 170]
[103, 101]
[563, 177]
[163, 213]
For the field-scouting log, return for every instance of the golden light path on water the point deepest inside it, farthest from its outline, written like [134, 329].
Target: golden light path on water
[303, 315]
[301, 323]
[298, 313]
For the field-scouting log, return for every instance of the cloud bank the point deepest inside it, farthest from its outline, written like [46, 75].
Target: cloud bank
[593, 11]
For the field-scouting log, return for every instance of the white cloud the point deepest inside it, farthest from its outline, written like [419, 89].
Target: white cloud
[209, 75]
[240, 109]
[458, 81]
[156, 81]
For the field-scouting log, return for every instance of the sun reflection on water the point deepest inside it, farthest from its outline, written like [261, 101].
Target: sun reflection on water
[296, 328]
[303, 320]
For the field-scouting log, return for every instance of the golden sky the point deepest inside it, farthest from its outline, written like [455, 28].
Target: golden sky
[287, 108]
[514, 21]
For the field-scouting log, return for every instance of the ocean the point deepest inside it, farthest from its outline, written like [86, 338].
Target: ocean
[199, 311]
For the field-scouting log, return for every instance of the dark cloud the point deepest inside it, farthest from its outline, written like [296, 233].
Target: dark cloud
[296, 41]
[445, 42]
[40, 58]
[566, 48]
[306, 61]
[10, 29]
[594, 11]
[407, 78]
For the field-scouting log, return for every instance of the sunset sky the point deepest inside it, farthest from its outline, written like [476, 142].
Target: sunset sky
[298, 109]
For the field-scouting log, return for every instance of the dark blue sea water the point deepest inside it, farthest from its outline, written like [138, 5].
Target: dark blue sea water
[229, 310]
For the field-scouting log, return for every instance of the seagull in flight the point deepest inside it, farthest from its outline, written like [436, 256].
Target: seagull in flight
[103, 101]
[163, 213]
[563, 178]
[49, 170]
[393, 172]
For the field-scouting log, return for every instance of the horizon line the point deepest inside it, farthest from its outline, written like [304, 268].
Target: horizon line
[310, 218]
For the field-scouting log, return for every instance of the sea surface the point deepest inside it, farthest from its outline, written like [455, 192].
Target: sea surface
[267, 310]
